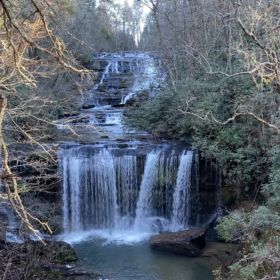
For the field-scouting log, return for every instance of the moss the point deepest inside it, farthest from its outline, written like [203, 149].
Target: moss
[227, 195]
[68, 256]
[59, 251]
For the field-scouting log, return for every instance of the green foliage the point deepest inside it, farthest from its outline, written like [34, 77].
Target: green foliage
[106, 33]
[234, 226]
[194, 106]
[259, 230]
[241, 146]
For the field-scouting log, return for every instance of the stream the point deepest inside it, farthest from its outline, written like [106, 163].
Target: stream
[120, 188]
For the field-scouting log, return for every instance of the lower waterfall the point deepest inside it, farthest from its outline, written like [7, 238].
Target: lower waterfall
[144, 204]
[121, 189]
[181, 196]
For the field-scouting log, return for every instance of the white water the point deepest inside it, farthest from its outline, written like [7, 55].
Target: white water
[181, 196]
[144, 208]
[150, 194]
[113, 118]
[105, 194]
[148, 79]
[89, 196]
[143, 68]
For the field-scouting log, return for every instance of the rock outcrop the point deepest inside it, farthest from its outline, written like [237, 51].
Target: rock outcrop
[188, 242]
[34, 260]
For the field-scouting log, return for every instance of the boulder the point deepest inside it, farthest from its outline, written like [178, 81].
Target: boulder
[88, 106]
[118, 105]
[188, 242]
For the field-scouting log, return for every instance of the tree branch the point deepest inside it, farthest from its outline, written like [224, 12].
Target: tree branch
[234, 116]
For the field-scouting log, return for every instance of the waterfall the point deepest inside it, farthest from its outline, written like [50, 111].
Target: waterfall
[181, 196]
[196, 160]
[126, 74]
[145, 197]
[147, 79]
[126, 174]
[129, 184]
[124, 189]
[89, 194]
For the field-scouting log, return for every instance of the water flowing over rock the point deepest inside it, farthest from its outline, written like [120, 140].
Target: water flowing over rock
[137, 189]
[143, 209]
[117, 181]
[119, 77]
[83, 204]
[122, 75]
[181, 196]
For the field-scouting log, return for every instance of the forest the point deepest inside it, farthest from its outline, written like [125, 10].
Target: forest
[221, 95]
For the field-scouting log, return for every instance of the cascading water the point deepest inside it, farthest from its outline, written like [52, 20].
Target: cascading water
[125, 188]
[119, 77]
[127, 182]
[107, 188]
[144, 204]
[89, 196]
[125, 75]
[181, 196]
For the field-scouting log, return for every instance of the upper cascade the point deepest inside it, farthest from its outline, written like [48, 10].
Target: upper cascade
[122, 75]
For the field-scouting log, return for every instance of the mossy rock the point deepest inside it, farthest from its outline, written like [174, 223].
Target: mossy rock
[54, 251]
[228, 196]
[61, 251]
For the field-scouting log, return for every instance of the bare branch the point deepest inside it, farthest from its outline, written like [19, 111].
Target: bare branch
[234, 116]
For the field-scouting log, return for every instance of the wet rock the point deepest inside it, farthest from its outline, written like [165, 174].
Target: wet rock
[188, 242]
[123, 146]
[97, 65]
[70, 271]
[68, 114]
[3, 245]
[54, 250]
[76, 272]
[88, 106]
[118, 105]
[227, 258]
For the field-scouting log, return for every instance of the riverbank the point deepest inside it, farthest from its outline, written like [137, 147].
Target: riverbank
[34, 260]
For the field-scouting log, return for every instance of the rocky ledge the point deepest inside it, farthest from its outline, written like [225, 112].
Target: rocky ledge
[35, 261]
[188, 242]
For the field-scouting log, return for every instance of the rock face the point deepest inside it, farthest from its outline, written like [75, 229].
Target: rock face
[188, 242]
[122, 74]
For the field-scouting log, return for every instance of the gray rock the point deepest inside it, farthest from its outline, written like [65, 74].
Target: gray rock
[188, 242]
